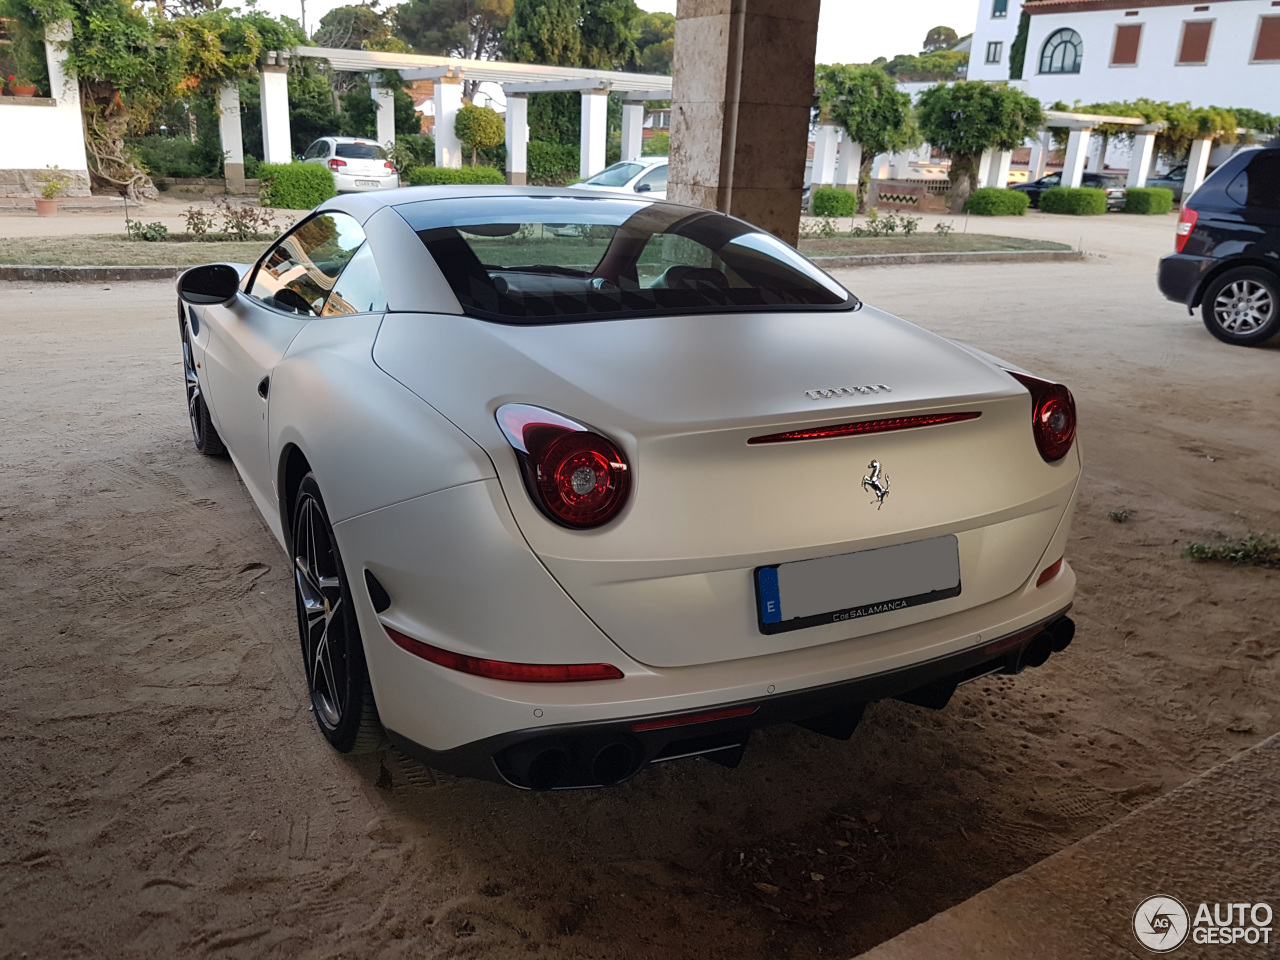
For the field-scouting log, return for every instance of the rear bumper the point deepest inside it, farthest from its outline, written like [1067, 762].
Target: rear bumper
[345, 183]
[1181, 277]
[601, 753]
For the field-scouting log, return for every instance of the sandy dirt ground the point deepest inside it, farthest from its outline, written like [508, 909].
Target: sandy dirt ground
[163, 791]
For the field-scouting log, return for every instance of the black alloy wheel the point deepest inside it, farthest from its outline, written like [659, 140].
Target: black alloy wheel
[332, 654]
[202, 429]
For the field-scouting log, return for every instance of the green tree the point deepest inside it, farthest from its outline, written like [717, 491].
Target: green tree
[940, 65]
[544, 31]
[358, 27]
[608, 33]
[939, 38]
[873, 111]
[968, 117]
[454, 28]
[1018, 49]
[655, 36]
[479, 128]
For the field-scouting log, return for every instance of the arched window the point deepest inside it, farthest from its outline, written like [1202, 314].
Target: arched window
[1062, 52]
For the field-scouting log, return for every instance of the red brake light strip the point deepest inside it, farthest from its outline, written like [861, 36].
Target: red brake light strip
[866, 426]
[707, 717]
[500, 669]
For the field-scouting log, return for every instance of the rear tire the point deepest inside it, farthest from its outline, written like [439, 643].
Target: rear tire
[1242, 306]
[203, 431]
[332, 652]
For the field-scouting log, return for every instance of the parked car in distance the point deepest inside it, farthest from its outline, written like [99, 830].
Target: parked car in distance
[643, 175]
[1110, 182]
[1173, 180]
[356, 164]
[1227, 249]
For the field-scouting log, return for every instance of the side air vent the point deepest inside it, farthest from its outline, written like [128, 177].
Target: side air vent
[377, 592]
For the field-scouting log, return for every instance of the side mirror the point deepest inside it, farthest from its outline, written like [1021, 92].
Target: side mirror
[215, 283]
[644, 188]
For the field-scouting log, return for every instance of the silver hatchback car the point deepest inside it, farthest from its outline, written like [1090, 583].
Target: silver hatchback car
[356, 164]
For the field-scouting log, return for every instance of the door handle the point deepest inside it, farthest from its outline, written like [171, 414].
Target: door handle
[264, 385]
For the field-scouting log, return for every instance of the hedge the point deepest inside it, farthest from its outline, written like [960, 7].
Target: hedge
[294, 186]
[995, 202]
[834, 202]
[1148, 200]
[550, 164]
[1081, 201]
[435, 176]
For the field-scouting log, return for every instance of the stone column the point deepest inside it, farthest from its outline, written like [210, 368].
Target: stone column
[1073, 163]
[849, 164]
[594, 137]
[447, 99]
[741, 100]
[1039, 156]
[1197, 165]
[385, 102]
[231, 136]
[880, 166]
[277, 146]
[984, 168]
[824, 155]
[1000, 169]
[517, 139]
[1140, 154]
[632, 129]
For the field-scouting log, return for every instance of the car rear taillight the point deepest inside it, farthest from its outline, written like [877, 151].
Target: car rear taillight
[335, 163]
[1049, 572]
[1053, 416]
[1186, 223]
[575, 476]
[501, 669]
[389, 165]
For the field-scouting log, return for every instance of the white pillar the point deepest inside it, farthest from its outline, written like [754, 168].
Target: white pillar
[900, 165]
[447, 101]
[231, 137]
[66, 91]
[1197, 164]
[984, 167]
[632, 129]
[517, 140]
[1040, 151]
[880, 167]
[1000, 169]
[1073, 163]
[1144, 146]
[276, 144]
[849, 164]
[824, 155]
[384, 102]
[595, 118]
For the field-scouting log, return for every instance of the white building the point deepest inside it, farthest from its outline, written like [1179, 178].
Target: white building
[1222, 53]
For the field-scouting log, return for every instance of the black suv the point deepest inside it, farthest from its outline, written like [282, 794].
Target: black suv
[1110, 182]
[1228, 249]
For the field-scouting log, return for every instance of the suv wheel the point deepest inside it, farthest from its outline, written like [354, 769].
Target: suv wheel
[1242, 306]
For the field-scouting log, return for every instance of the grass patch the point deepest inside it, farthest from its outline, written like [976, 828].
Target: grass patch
[1255, 550]
[109, 251]
[922, 243]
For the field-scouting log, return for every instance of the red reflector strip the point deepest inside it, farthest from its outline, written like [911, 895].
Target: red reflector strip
[1004, 643]
[1049, 572]
[866, 426]
[707, 717]
[500, 669]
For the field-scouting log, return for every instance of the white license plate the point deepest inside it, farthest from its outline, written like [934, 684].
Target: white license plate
[806, 593]
[366, 183]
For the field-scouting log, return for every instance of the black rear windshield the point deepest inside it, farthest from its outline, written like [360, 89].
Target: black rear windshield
[550, 259]
[360, 151]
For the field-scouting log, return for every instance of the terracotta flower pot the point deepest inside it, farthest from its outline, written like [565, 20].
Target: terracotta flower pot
[46, 208]
[22, 91]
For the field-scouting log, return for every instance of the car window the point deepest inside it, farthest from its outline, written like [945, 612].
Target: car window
[318, 149]
[359, 288]
[360, 151]
[298, 273]
[554, 259]
[1258, 185]
[619, 175]
[655, 180]
[1052, 180]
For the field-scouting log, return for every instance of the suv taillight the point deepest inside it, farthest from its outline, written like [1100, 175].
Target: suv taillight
[1186, 223]
[1053, 416]
[575, 476]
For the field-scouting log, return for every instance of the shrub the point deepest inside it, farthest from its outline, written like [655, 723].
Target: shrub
[1081, 201]
[150, 232]
[295, 186]
[995, 202]
[433, 176]
[834, 202]
[1148, 200]
[413, 150]
[551, 164]
[659, 145]
[178, 156]
[479, 128]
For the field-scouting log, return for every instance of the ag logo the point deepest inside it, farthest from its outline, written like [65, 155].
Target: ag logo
[1161, 924]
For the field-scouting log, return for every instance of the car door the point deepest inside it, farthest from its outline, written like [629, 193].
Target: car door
[654, 183]
[288, 287]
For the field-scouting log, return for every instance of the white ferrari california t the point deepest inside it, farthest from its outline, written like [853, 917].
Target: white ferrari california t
[574, 484]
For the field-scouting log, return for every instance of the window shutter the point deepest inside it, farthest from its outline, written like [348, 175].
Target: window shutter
[1125, 51]
[1195, 41]
[1268, 45]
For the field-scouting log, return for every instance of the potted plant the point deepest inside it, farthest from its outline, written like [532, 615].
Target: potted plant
[21, 86]
[52, 182]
